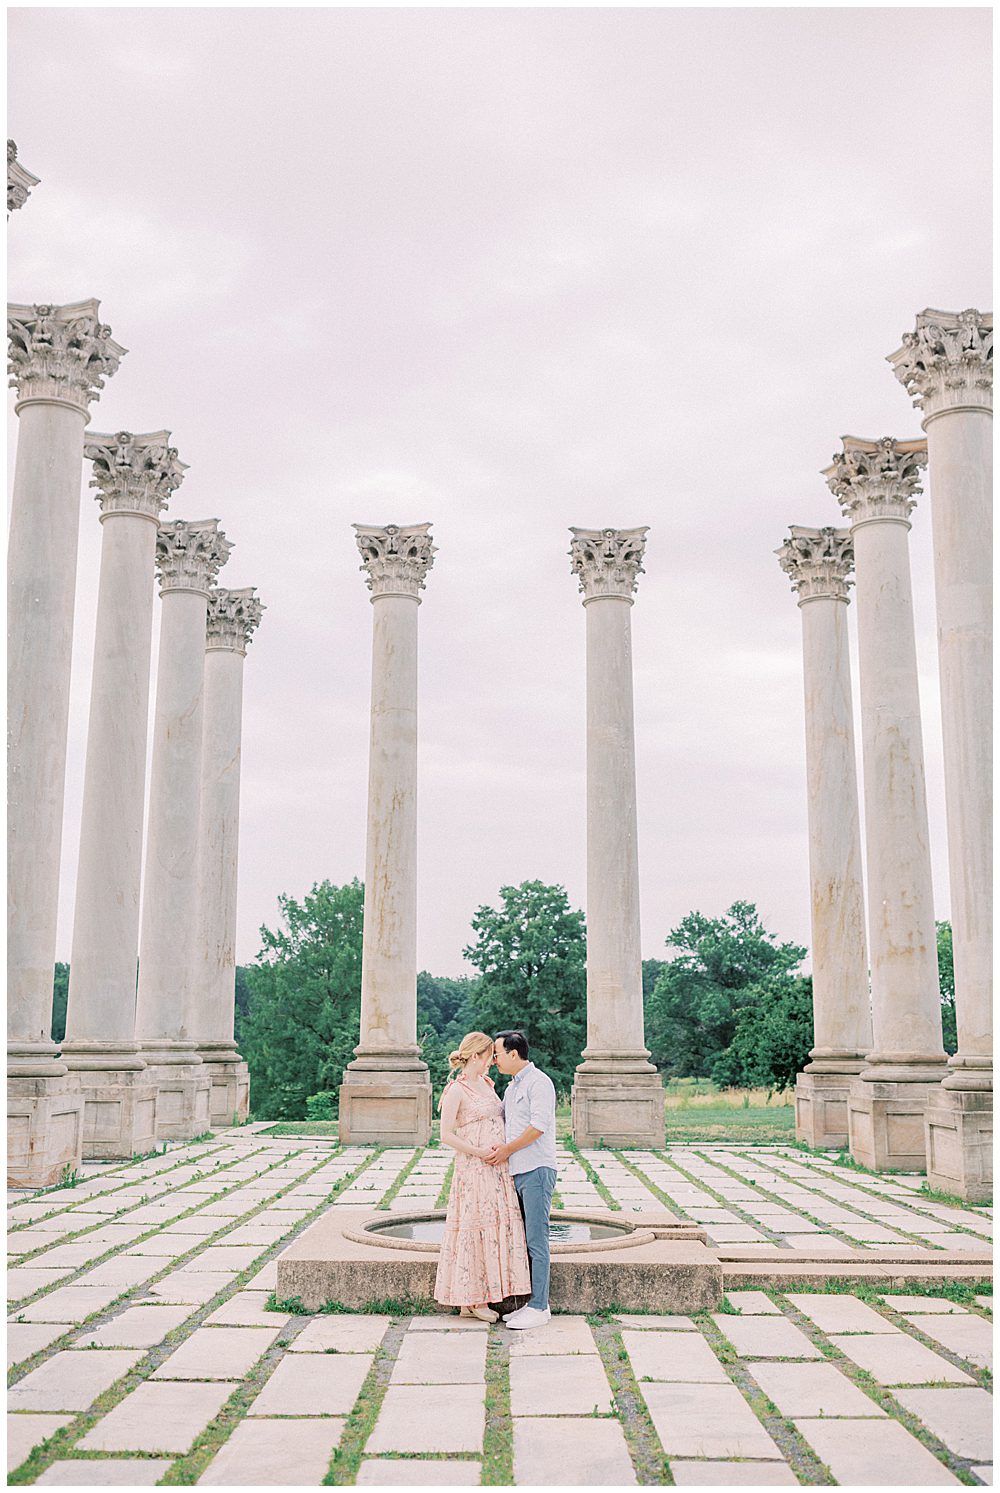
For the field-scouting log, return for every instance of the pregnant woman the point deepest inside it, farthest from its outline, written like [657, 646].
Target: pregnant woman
[484, 1257]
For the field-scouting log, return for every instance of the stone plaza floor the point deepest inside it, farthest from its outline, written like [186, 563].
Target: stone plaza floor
[142, 1348]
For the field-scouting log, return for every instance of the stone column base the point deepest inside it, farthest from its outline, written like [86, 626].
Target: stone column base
[44, 1130]
[229, 1094]
[959, 1130]
[119, 1112]
[885, 1119]
[623, 1108]
[821, 1101]
[182, 1099]
[388, 1107]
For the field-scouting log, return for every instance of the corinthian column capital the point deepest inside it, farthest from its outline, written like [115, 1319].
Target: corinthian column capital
[395, 560]
[233, 617]
[19, 181]
[607, 562]
[61, 353]
[190, 554]
[877, 480]
[818, 562]
[946, 363]
[134, 473]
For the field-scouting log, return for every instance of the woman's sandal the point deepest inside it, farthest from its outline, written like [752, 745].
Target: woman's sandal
[481, 1313]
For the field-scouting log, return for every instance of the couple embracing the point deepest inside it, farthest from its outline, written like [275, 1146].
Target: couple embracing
[496, 1240]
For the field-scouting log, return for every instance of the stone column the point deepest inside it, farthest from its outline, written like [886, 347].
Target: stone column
[232, 618]
[819, 563]
[875, 482]
[946, 364]
[617, 1093]
[134, 475]
[188, 556]
[19, 181]
[386, 1093]
[59, 359]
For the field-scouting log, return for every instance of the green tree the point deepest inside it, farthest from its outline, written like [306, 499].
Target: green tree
[60, 995]
[445, 1012]
[531, 956]
[946, 979]
[304, 1007]
[773, 1036]
[720, 967]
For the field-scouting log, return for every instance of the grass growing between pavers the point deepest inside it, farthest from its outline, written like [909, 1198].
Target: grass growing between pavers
[61, 1445]
[498, 1439]
[725, 1123]
[883, 1397]
[388, 1306]
[655, 1189]
[644, 1445]
[783, 1432]
[593, 1175]
[442, 1197]
[346, 1461]
[961, 1292]
[407, 1169]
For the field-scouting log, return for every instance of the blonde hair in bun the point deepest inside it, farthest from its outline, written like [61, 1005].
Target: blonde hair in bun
[472, 1045]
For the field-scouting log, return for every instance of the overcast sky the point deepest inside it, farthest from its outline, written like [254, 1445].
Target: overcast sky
[507, 271]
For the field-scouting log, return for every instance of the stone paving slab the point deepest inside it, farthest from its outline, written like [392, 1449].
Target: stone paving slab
[441, 1358]
[766, 1337]
[568, 1386]
[343, 1334]
[312, 1384]
[733, 1475]
[899, 1360]
[970, 1337]
[217, 1353]
[961, 1418]
[881, 1453]
[71, 1380]
[192, 1287]
[560, 1335]
[430, 1418]
[840, 1313]
[135, 1327]
[222, 1257]
[386, 1472]
[673, 1356]
[447, 1322]
[25, 1432]
[753, 1304]
[104, 1472]
[274, 1453]
[657, 1323]
[924, 1305]
[25, 1280]
[808, 1389]
[707, 1420]
[571, 1452]
[162, 1417]
[246, 1309]
[122, 1271]
[26, 1338]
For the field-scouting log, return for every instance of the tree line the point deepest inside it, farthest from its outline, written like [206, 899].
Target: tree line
[728, 1003]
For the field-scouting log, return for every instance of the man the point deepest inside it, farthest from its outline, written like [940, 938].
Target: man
[529, 1113]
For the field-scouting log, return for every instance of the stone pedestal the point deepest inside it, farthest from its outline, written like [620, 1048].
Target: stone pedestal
[44, 1129]
[386, 1093]
[232, 619]
[946, 365]
[819, 563]
[59, 358]
[188, 556]
[875, 482]
[617, 1093]
[135, 475]
[959, 1138]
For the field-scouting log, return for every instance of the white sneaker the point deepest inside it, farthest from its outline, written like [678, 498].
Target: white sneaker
[529, 1316]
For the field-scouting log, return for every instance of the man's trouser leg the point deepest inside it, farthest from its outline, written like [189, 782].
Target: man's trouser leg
[535, 1189]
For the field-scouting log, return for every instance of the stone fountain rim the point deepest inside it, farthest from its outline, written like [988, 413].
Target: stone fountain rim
[367, 1231]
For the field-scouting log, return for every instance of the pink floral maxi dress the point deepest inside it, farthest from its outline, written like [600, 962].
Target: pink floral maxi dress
[483, 1254]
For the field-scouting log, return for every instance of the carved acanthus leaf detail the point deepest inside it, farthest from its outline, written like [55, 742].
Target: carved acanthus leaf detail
[819, 562]
[607, 562]
[877, 479]
[19, 180]
[947, 360]
[134, 473]
[395, 559]
[60, 352]
[190, 554]
[233, 617]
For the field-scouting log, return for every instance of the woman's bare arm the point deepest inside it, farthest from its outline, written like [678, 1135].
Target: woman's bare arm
[449, 1114]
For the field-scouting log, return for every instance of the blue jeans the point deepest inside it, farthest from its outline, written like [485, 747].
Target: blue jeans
[534, 1193]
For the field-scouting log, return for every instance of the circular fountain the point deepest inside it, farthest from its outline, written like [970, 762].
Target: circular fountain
[568, 1232]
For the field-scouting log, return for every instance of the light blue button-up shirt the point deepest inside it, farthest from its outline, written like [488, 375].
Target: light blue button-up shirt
[530, 1099]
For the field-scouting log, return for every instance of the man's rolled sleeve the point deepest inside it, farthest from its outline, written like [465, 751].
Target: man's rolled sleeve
[542, 1104]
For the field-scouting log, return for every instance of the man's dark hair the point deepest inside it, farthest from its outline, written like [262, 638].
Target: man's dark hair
[514, 1042]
